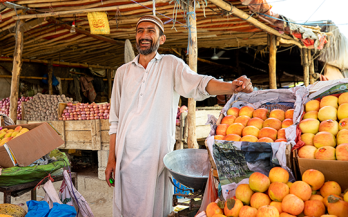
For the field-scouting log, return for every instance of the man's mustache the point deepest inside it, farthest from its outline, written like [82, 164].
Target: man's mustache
[141, 40]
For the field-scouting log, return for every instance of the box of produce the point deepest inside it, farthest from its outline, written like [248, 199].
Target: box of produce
[43, 107]
[273, 196]
[83, 111]
[23, 144]
[263, 118]
[322, 141]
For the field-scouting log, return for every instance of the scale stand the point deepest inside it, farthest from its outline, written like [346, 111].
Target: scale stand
[193, 205]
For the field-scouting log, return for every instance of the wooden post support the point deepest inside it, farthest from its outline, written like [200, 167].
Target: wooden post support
[50, 73]
[272, 61]
[305, 66]
[311, 67]
[16, 71]
[60, 86]
[108, 72]
[191, 116]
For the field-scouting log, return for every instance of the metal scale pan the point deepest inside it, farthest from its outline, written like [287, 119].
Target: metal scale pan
[190, 167]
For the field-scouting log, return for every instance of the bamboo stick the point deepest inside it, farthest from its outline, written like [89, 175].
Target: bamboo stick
[272, 62]
[311, 67]
[34, 78]
[60, 63]
[99, 37]
[16, 71]
[111, 8]
[191, 116]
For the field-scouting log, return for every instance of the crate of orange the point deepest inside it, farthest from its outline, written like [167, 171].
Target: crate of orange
[322, 134]
[261, 126]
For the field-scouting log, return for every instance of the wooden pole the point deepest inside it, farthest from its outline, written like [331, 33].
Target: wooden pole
[272, 61]
[311, 67]
[50, 73]
[16, 71]
[108, 71]
[305, 66]
[60, 86]
[191, 116]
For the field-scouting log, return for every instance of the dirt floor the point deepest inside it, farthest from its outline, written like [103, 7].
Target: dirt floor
[96, 192]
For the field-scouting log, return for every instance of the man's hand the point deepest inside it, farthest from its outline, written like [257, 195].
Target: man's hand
[110, 172]
[242, 84]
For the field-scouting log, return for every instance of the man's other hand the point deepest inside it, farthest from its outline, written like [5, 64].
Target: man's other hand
[110, 172]
[242, 84]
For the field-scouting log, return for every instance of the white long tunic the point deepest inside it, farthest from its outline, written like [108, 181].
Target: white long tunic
[143, 110]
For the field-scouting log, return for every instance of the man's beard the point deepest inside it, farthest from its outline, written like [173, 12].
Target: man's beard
[154, 46]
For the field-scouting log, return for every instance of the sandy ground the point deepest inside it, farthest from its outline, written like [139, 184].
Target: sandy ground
[95, 191]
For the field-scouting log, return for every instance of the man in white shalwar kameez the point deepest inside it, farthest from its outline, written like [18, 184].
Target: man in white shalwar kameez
[144, 104]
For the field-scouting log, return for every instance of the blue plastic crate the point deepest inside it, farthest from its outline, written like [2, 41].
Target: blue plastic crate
[177, 191]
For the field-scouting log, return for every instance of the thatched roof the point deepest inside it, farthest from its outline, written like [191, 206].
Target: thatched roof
[50, 39]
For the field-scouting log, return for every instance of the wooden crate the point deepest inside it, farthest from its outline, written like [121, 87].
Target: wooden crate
[104, 133]
[82, 135]
[202, 130]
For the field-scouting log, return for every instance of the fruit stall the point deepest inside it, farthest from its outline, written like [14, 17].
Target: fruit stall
[276, 153]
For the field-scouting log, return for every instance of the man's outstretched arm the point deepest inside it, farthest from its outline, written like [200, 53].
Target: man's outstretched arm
[241, 84]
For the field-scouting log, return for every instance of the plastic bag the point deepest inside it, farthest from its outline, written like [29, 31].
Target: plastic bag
[70, 196]
[98, 23]
[51, 194]
[37, 208]
[41, 209]
[62, 210]
[210, 193]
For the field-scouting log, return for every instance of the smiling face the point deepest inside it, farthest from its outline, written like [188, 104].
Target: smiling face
[148, 38]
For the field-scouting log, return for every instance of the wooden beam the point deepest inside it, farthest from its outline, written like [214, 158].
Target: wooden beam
[50, 73]
[81, 31]
[202, 60]
[111, 8]
[8, 59]
[311, 67]
[272, 62]
[193, 49]
[244, 16]
[41, 78]
[16, 71]
[305, 66]
[234, 69]
[286, 41]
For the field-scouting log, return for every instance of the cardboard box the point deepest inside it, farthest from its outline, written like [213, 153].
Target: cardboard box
[27, 148]
[333, 170]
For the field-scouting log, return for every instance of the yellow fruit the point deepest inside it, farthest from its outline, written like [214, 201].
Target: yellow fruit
[3, 141]
[8, 134]
[12, 210]
[18, 134]
[18, 128]
[14, 134]
[24, 130]
[2, 135]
